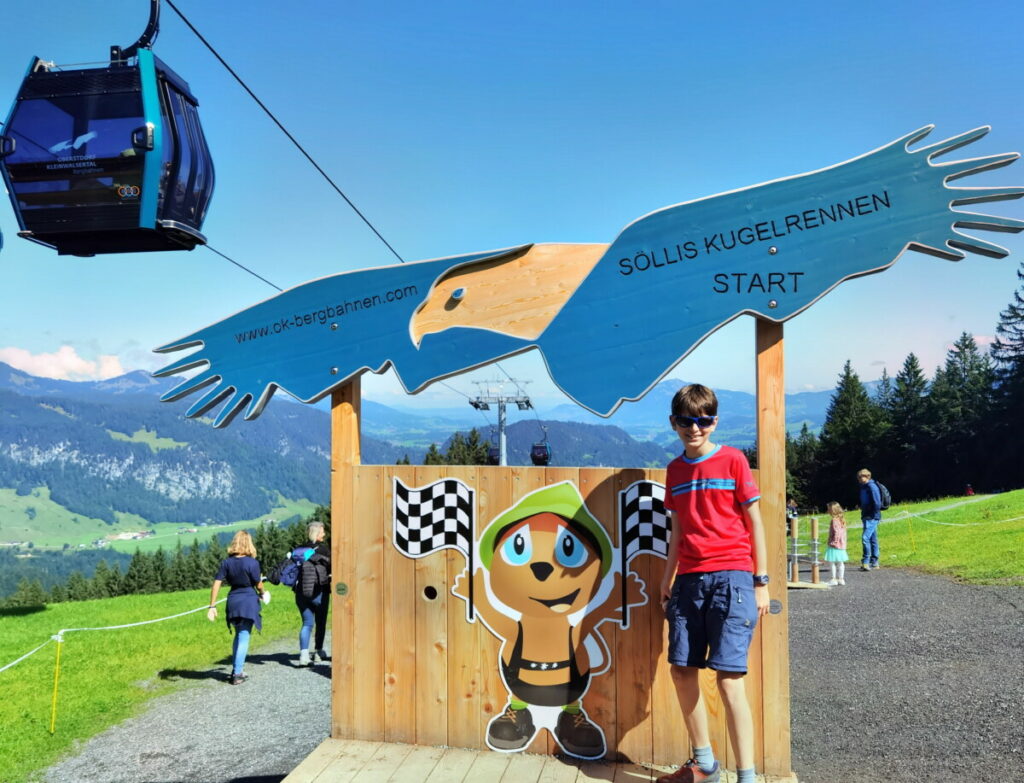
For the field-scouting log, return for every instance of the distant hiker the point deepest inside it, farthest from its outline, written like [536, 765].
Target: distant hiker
[968, 490]
[835, 554]
[241, 571]
[870, 515]
[313, 595]
[792, 512]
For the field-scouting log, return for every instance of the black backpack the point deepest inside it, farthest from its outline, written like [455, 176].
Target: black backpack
[883, 495]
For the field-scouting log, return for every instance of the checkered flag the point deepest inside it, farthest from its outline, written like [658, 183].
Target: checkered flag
[437, 516]
[643, 527]
[643, 521]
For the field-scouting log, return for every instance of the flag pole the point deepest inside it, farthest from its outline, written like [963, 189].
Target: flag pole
[624, 564]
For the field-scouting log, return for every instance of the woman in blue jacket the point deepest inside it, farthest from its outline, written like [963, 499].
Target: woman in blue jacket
[241, 571]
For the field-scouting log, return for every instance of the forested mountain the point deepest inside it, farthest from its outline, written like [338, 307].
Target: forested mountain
[111, 446]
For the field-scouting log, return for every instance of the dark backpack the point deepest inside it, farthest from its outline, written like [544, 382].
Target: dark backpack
[883, 495]
[288, 571]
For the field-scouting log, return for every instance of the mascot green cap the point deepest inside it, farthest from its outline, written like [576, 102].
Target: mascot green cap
[563, 500]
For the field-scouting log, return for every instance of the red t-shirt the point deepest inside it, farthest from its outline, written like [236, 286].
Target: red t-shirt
[708, 495]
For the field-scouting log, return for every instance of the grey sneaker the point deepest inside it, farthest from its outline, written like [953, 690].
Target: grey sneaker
[865, 567]
[304, 658]
[321, 655]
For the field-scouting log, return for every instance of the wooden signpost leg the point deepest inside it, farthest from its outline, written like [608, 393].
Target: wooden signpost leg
[345, 405]
[771, 461]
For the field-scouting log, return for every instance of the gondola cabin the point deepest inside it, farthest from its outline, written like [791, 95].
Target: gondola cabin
[540, 453]
[107, 160]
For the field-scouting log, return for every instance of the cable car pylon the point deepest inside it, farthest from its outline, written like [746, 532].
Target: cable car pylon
[483, 402]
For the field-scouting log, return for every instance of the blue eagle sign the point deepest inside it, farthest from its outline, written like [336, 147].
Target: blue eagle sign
[609, 320]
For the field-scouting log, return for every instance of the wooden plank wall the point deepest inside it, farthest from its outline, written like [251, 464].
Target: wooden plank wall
[409, 667]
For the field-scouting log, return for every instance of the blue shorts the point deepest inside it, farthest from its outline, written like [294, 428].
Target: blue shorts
[711, 620]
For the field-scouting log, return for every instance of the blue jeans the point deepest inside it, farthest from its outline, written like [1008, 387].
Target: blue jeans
[240, 647]
[869, 540]
[314, 612]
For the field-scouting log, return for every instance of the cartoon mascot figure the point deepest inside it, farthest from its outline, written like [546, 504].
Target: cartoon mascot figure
[546, 578]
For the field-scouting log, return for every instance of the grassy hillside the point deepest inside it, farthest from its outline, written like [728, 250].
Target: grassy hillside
[37, 518]
[978, 540]
[96, 689]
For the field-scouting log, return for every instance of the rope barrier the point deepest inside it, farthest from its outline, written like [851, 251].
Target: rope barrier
[26, 655]
[59, 639]
[907, 514]
[133, 625]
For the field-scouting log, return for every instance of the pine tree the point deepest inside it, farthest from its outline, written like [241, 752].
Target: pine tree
[115, 580]
[457, 453]
[177, 571]
[197, 574]
[847, 442]
[160, 571]
[476, 448]
[1007, 353]
[883, 461]
[28, 594]
[800, 465]
[215, 554]
[78, 587]
[139, 576]
[101, 580]
[908, 436]
[960, 401]
[433, 456]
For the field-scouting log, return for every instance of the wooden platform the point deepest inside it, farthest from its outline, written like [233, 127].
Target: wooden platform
[359, 761]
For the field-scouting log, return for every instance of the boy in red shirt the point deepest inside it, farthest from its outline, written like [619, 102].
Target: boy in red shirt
[716, 582]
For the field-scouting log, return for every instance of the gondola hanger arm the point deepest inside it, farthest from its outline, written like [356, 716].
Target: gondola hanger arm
[117, 54]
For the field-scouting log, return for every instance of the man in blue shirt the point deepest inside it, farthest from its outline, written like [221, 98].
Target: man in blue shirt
[870, 515]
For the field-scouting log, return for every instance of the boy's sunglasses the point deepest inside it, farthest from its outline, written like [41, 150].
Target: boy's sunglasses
[685, 422]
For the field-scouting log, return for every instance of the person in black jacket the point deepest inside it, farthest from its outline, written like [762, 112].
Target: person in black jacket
[313, 596]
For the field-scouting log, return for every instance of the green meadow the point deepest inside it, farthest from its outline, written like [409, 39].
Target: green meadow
[37, 518]
[106, 676]
[979, 540]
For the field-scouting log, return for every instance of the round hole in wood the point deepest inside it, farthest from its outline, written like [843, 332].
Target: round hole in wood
[430, 592]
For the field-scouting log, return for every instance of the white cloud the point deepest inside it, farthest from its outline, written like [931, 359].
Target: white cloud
[64, 364]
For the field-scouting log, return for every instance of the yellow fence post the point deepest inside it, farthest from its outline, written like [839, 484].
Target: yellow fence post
[59, 638]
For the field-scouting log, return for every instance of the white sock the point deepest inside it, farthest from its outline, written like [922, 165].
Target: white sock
[833, 566]
[842, 570]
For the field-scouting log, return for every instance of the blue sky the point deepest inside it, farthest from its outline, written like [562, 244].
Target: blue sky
[463, 126]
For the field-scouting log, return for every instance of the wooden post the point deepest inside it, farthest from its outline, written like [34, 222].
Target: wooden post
[345, 405]
[771, 462]
[794, 551]
[814, 551]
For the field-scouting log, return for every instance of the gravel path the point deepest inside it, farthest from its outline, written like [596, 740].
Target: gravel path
[213, 732]
[905, 677]
[897, 677]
